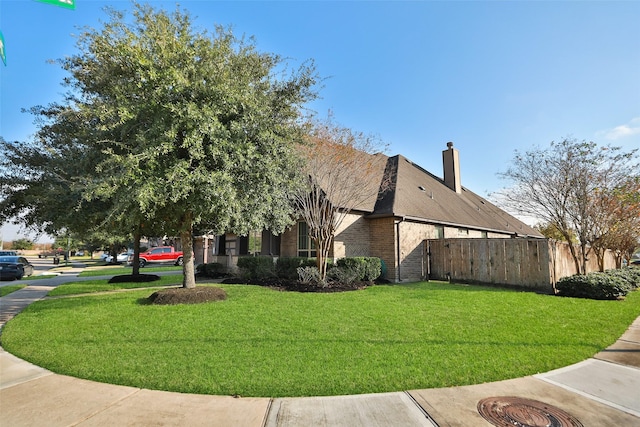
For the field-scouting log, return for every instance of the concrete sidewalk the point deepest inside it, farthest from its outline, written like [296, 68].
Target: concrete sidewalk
[602, 391]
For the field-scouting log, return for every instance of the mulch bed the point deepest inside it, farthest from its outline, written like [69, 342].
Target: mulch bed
[140, 278]
[197, 295]
[295, 286]
[203, 294]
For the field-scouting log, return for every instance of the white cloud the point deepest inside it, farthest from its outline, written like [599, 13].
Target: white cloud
[622, 131]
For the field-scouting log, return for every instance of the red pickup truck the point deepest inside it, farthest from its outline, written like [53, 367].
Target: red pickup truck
[159, 254]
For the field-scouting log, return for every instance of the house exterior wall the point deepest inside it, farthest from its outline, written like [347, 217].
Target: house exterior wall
[412, 235]
[352, 238]
[203, 249]
[289, 242]
[378, 237]
[383, 244]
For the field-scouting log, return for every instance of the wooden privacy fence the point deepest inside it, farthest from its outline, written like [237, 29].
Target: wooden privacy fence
[534, 264]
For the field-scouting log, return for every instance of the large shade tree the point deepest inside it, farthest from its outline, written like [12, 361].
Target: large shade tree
[42, 180]
[198, 128]
[566, 185]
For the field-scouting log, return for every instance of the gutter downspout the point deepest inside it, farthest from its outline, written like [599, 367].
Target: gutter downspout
[428, 266]
[398, 254]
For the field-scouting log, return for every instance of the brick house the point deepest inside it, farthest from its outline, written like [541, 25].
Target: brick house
[394, 223]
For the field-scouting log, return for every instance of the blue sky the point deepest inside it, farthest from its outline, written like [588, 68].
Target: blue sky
[491, 76]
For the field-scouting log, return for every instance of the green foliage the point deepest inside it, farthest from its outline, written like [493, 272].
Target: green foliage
[629, 274]
[287, 267]
[611, 284]
[22, 244]
[361, 268]
[164, 127]
[212, 269]
[256, 267]
[551, 231]
[310, 275]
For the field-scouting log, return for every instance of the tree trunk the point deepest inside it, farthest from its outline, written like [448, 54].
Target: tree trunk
[574, 255]
[188, 267]
[323, 248]
[136, 252]
[583, 251]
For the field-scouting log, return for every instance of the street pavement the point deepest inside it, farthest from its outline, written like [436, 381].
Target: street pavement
[601, 391]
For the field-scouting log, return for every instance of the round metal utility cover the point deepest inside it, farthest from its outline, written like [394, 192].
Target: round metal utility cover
[507, 411]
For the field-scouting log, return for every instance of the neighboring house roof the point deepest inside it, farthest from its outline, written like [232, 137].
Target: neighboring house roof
[416, 194]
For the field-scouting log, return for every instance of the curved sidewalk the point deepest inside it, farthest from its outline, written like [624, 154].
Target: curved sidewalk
[601, 391]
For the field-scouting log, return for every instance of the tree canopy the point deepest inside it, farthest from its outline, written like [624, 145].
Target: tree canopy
[583, 191]
[187, 127]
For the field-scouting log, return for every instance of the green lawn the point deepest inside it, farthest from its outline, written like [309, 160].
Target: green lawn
[103, 285]
[6, 290]
[114, 270]
[261, 342]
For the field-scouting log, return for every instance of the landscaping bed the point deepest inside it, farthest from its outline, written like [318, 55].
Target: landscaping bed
[281, 284]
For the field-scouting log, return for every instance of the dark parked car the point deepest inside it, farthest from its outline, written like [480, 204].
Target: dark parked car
[14, 267]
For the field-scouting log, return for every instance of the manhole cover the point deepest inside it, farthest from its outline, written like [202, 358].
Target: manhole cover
[516, 411]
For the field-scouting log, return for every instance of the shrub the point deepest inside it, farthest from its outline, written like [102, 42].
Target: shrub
[213, 269]
[629, 275]
[256, 267]
[287, 267]
[310, 276]
[343, 275]
[594, 285]
[363, 268]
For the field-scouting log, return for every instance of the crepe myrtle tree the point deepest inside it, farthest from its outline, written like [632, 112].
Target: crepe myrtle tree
[196, 127]
[616, 214]
[342, 173]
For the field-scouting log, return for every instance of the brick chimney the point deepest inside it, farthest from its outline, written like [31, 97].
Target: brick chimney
[451, 166]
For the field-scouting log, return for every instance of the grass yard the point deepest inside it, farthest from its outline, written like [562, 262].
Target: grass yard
[261, 342]
[103, 285]
[114, 270]
[6, 290]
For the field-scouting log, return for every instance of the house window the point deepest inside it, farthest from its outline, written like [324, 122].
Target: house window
[251, 244]
[306, 246]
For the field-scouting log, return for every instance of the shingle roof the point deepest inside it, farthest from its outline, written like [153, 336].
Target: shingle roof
[417, 194]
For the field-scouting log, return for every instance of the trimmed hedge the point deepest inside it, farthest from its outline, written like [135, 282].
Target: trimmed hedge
[609, 285]
[363, 268]
[629, 274]
[256, 267]
[213, 269]
[287, 267]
